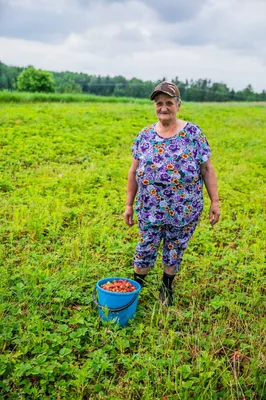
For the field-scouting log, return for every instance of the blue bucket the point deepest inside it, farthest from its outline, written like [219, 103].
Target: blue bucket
[114, 305]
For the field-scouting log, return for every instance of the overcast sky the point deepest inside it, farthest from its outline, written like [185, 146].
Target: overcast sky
[222, 40]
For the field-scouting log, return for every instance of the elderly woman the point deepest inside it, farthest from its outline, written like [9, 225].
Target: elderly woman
[171, 159]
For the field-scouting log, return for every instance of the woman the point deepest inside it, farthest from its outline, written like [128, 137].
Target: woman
[171, 159]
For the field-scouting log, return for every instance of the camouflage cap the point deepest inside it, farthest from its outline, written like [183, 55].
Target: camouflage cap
[166, 87]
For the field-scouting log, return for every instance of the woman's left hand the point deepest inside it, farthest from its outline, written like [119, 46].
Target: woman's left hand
[214, 212]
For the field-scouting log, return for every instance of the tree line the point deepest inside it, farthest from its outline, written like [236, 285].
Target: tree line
[30, 79]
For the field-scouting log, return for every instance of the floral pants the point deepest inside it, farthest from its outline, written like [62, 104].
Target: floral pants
[175, 240]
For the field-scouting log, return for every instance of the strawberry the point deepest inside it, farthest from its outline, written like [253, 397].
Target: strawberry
[119, 286]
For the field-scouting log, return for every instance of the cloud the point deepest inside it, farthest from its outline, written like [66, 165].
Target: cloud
[211, 62]
[176, 10]
[110, 38]
[167, 10]
[236, 24]
[41, 20]
[47, 20]
[130, 36]
[227, 25]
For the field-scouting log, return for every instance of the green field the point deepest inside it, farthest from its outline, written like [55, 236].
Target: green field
[63, 188]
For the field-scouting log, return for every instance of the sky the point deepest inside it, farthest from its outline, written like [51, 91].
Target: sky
[221, 40]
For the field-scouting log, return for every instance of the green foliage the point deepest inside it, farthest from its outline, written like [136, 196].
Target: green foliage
[33, 80]
[22, 97]
[8, 76]
[63, 188]
[118, 86]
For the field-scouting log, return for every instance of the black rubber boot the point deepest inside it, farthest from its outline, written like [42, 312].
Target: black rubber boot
[166, 292]
[139, 278]
[166, 296]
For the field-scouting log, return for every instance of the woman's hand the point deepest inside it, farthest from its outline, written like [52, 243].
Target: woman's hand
[128, 215]
[214, 212]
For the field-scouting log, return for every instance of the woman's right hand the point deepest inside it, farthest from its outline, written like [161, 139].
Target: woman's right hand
[128, 215]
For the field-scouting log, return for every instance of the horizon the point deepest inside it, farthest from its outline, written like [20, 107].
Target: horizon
[135, 77]
[222, 39]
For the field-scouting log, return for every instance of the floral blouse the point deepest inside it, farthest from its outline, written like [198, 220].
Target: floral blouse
[170, 185]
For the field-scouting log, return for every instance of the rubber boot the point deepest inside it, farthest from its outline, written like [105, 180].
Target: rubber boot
[166, 292]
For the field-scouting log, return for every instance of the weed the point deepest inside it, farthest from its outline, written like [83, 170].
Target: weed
[62, 185]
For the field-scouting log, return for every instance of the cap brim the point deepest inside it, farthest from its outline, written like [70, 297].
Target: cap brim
[161, 91]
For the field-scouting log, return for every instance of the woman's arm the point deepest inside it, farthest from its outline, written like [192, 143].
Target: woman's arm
[209, 177]
[132, 188]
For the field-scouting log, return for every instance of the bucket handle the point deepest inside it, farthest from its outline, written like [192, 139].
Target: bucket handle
[111, 309]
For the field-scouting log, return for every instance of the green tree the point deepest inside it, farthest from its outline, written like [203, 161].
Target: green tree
[3, 81]
[8, 76]
[40, 81]
[35, 80]
[249, 94]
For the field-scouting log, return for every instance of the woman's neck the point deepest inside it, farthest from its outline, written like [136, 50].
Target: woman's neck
[170, 129]
[168, 125]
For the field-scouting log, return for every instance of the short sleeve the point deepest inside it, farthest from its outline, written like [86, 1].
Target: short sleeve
[202, 148]
[136, 147]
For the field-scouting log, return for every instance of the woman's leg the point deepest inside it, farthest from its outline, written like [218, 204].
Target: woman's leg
[146, 250]
[175, 242]
[141, 271]
[169, 270]
[140, 274]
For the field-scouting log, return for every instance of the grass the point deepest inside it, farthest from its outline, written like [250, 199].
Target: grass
[24, 97]
[63, 187]
[27, 97]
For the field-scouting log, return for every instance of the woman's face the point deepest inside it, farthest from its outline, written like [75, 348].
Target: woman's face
[166, 107]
